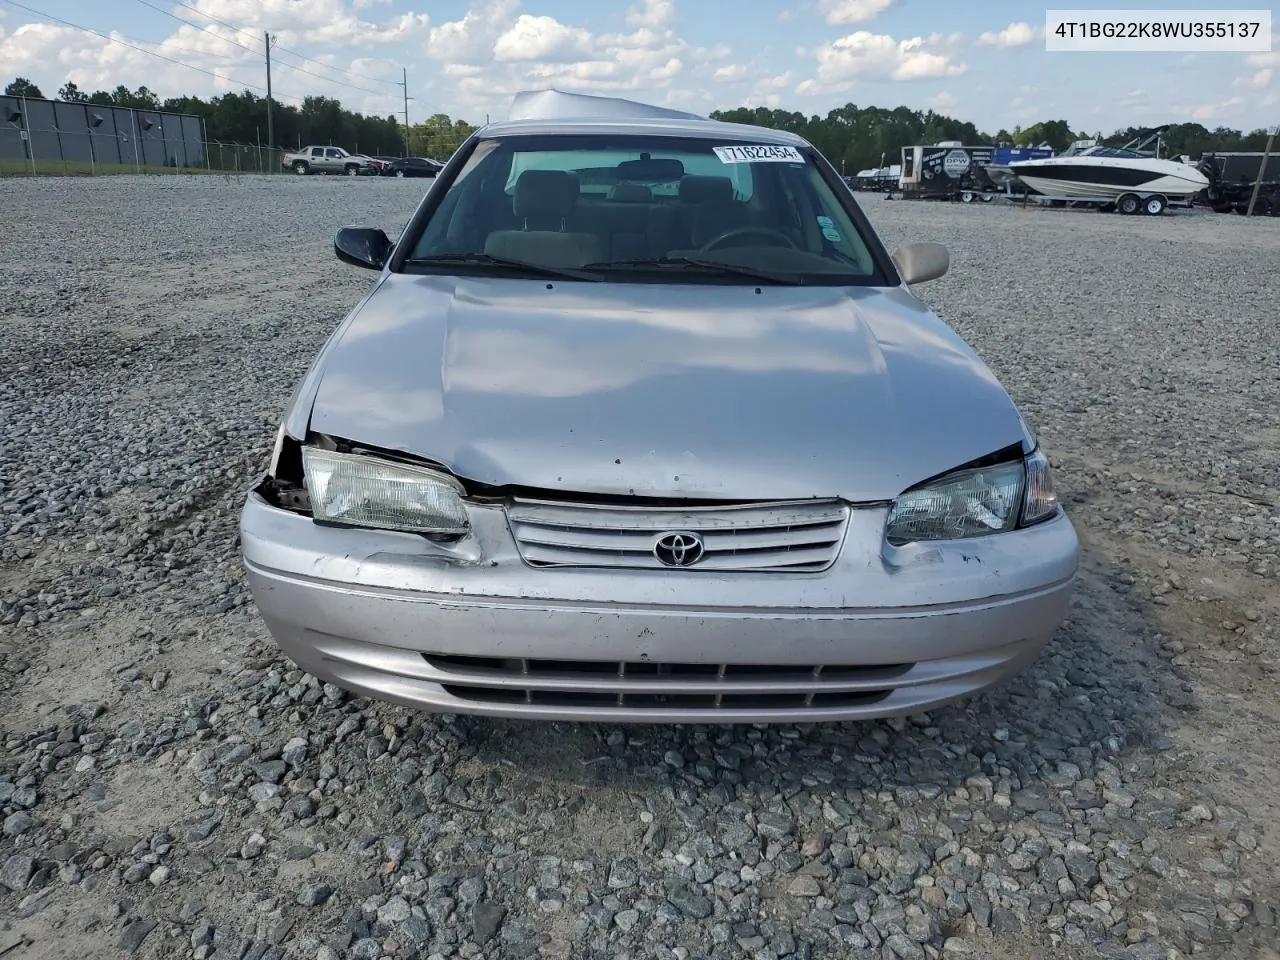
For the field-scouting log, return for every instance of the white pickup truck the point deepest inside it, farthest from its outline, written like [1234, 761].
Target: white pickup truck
[319, 159]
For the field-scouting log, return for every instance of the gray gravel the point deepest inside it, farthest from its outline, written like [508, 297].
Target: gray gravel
[171, 787]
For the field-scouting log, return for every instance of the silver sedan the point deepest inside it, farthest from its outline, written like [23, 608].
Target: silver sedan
[641, 422]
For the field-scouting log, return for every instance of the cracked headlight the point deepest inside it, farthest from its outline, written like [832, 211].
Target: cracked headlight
[975, 503]
[367, 491]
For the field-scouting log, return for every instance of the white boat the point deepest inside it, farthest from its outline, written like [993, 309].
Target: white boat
[1091, 171]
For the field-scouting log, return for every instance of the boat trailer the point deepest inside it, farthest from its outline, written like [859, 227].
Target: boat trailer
[1134, 202]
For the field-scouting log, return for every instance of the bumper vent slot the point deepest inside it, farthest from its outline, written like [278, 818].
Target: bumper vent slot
[659, 686]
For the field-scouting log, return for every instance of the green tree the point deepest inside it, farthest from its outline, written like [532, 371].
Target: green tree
[1056, 133]
[70, 92]
[22, 87]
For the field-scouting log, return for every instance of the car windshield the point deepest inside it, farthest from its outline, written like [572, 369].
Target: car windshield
[645, 208]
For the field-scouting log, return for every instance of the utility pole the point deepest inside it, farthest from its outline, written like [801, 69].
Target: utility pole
[404, 83]
[271, 130]
[1262, 170]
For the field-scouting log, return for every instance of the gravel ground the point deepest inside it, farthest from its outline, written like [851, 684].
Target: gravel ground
[171, 787]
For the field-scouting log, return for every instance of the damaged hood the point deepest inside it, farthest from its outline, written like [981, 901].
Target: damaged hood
[671, 390]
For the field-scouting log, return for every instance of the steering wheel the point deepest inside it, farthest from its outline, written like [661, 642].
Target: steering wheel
[747, 231]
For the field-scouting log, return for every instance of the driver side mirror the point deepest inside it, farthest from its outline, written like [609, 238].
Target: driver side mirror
[920, 262]
[366, 247]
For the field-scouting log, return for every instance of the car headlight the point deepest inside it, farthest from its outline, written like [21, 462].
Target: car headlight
[1041, 499]
[975, 502]
[367, 491]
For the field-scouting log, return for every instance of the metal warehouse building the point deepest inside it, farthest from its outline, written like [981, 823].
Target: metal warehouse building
[92, 134]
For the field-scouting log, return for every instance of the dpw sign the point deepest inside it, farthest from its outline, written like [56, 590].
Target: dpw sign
[955, 163]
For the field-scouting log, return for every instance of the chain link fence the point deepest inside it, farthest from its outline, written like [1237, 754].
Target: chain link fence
[53, 152]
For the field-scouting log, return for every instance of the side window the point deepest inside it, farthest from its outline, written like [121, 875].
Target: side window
[317, 151]
[335, 154]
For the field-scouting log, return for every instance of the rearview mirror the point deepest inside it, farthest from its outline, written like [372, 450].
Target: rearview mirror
[366, 247]
[919, 262]
[650, 170]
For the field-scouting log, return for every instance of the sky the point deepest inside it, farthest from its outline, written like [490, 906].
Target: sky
[984, 62]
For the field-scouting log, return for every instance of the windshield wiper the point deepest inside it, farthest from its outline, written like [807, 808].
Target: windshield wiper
[486, 259]
[717, 266]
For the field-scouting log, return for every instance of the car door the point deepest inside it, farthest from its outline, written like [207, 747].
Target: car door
[333, 159]
[317, 159]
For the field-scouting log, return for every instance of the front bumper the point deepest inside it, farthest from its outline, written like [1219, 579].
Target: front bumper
[476, 630]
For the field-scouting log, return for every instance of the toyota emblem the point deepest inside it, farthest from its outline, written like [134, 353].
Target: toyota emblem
[679, 549]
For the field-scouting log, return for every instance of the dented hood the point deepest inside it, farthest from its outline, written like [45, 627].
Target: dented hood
[709, 392]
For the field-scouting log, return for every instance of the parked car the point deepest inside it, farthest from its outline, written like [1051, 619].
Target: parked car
[325, 159]
[413, 167]
[641, 422]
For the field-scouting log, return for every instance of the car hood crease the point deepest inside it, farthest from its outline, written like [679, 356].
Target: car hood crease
[717, 392]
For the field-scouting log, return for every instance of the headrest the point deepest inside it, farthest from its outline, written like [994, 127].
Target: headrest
[631, 193]
[545, 193]
[695, 189]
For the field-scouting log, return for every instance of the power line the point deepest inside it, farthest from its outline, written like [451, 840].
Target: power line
[212, 33]
[304, 59]
[134, 46]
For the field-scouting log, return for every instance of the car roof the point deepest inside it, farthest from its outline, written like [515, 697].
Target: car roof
[696, 129]
[551, 111]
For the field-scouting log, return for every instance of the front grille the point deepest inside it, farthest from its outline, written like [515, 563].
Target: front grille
[799, 537]
[649, 685]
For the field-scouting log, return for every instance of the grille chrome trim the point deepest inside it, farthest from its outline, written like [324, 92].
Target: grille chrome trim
[790, 537]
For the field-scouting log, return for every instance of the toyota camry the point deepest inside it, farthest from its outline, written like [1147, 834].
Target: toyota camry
[639, 421]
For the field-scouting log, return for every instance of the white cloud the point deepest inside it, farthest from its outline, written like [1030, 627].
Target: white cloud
[314, 21]
[732, 71]
[865, 55]
[471, 39]
[514, 53]
[852, 11]
[946, 100]
[1263, 60]
[1017, 34]
[542, 38]
[767, 91]
[652, 15]
[52, 54]
[1216, 110]
[1257, 81]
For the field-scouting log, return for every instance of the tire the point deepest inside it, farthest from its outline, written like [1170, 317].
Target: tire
[988, 197]
[1154, 206]
[1129, 204]
[351, 170]
[400, 174]
[966, 196]
[300, 168]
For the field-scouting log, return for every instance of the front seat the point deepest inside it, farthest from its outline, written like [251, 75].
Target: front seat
[543, 203]
[710, 208]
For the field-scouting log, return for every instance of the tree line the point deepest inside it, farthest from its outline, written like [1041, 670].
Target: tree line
[859, 138]
[853, 138]
[242, 118]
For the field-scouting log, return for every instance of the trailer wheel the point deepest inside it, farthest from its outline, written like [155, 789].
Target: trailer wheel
[1128, 204]
[1154, 206]
[988, 197]
[966, 196]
